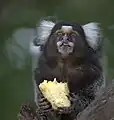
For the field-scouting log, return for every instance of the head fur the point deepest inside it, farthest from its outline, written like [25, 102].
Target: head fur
[91, 32]
[66, 39]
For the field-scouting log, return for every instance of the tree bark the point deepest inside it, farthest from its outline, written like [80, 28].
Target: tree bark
[102, 108]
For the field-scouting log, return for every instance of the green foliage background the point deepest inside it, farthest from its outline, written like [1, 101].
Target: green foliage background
[15, 84]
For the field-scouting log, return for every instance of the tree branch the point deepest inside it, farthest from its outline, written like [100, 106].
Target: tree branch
[102, 108]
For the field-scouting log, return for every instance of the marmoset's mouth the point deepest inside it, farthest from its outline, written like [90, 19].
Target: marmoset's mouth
[65, 44]
[65, 48]
[68, 44]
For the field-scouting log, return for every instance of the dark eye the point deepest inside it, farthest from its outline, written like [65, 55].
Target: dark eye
[59, 37]
[73, 37]
[59, 33]
[74, 33]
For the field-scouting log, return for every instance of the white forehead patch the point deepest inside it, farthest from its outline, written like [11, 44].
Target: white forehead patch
[67, 28]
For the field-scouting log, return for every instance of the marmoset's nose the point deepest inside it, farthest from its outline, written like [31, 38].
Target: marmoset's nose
[65, 39]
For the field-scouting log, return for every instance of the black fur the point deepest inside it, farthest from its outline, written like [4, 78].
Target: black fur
[81, 69]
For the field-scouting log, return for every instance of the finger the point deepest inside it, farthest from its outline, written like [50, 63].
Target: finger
[41, 112]
[65, 110]
[72, 99]
[46, 107]
[60, 110]
[44, 104]
[48, 110]
[42, 99]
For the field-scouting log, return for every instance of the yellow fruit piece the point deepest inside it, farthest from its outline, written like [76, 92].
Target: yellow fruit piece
[56, 93]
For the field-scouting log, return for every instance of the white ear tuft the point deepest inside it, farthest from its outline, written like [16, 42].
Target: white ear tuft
[42, 33]
[93, 34]
[34, 50]
[44, 30]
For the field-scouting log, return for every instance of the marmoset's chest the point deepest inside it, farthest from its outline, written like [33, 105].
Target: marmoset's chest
[57, 68]
[61, 71]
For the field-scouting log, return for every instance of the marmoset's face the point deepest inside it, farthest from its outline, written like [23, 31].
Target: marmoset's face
[65, 40]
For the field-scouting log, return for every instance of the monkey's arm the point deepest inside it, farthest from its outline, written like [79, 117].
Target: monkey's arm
[44, 105]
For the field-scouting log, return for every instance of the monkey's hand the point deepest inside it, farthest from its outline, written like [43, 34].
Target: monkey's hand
[43, 103]
[68, 110]
[76, 106]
